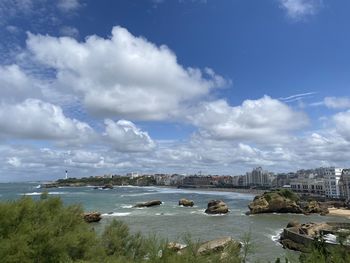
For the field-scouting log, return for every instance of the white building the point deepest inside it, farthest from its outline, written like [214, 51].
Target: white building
[332, 177]
[308, 185]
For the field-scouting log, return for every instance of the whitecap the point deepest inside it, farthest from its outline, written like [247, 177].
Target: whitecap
[126, 206]
[276, 235]
[116, 214]
[40, 193]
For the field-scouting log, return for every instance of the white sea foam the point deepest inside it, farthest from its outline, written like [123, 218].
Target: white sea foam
[139, 194]
[116, 214]
[39, 193]
[276, 235]
[230, 195]
[126, 206]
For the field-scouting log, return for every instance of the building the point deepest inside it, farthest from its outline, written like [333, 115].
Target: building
[308, 185]
[331, 177]
[258, 177]
[344, 184]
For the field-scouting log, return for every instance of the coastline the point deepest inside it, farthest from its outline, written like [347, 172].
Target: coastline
[234, 190]
[339, 212]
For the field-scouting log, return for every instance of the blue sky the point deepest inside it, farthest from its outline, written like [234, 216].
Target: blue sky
[100, 87]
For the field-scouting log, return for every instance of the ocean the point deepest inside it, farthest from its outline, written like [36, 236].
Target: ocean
[172, 222]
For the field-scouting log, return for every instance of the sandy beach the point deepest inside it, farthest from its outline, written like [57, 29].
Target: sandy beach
[339, 212]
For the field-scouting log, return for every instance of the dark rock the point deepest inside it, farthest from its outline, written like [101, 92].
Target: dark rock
[293, 223]
[217, 207]
[287, 243]
[186, 202]
[91, 217]
[107, 186]
[149, 203]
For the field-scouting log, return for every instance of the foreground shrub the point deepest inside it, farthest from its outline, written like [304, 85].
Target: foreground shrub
[43, 231]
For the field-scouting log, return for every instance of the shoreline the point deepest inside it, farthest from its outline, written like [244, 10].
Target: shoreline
[341, 212]
[233, 190]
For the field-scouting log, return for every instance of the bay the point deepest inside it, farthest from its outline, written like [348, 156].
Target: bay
[173, 222]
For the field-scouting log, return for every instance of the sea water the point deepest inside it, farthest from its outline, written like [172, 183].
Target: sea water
[173, 222]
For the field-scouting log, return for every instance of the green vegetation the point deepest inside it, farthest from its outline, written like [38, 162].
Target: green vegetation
[47, 231]
[281, 192]
[321, 253]
[101, 181]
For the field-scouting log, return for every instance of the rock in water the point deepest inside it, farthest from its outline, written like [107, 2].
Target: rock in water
[217, 207]
[315, 207]
[107, 186]
[285, 201]
[91, 217]
[186, 202]
[280, 201]
[149, 203]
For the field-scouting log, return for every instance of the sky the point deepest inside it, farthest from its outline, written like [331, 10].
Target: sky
[172, 86]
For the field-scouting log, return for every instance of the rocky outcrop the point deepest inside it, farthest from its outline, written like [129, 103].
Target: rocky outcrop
[285, 201]
[217, 245]
[91, 217]
[293, 223]
[300, 237]
[149, 203]
[314, 207]
[186, 202]
[217, 207]
[282, 201]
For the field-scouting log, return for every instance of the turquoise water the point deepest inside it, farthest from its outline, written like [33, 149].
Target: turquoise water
[173, 222]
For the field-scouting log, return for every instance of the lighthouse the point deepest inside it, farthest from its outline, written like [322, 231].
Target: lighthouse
[66, 175]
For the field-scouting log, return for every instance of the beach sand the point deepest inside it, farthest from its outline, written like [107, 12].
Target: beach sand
[339, 212]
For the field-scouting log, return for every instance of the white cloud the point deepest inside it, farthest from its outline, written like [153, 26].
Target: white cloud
[16, 85]
[69, 31]
[126, 137]
[262, 120]
[14, 161]
[35, 119]
[337, 102]
[68, 5]
[342, 123]
[124, 76]
[299, 9]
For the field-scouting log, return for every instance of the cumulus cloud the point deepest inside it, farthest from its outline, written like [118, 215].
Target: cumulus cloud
[342, 124]
[126, 137]
[124, 75]
[337, 102]
[16, 84]
[299, 9]
[265, 119]
[35, 119]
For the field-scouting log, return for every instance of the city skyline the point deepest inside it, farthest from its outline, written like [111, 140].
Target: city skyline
[161, 86]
